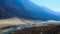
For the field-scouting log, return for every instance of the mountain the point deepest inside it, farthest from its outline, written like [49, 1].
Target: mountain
[38, 12]
[24, 9]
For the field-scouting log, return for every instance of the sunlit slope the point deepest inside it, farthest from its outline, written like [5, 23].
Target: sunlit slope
[35, 12]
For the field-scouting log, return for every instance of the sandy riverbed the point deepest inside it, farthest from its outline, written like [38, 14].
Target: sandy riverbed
[12, 21]
[17, 21]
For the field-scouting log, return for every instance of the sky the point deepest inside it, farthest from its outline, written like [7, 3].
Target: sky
[51, 4]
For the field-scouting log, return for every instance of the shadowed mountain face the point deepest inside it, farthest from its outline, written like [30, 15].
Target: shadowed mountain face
[5, 14]
[26, 10]
[4, 11]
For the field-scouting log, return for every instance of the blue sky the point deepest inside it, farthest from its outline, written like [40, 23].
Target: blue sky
[51, 4]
